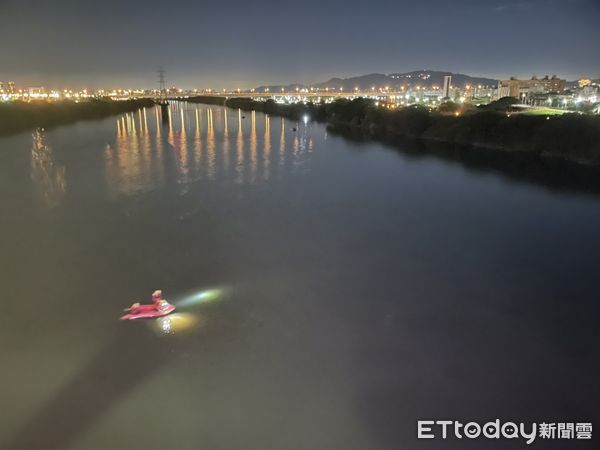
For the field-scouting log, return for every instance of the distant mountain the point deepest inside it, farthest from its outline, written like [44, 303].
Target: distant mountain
[423, 78]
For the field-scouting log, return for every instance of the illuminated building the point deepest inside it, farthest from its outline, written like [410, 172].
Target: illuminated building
[485, 91]
[36, 91]
[523, 88]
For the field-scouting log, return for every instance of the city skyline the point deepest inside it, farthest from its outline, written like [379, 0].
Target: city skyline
[19, 86]
[102, 45]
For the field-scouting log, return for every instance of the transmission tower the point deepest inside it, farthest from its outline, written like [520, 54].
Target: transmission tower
[162, 84]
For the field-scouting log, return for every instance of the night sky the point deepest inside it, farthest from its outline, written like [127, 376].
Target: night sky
[232, 43]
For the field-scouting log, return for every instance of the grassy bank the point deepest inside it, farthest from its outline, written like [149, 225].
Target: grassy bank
[21, 116]
[572, 137]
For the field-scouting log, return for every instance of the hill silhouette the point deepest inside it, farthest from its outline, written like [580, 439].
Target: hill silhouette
[424, 78]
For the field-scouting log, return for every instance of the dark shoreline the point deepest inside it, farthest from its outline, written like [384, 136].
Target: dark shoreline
[572, 138]
[17, 117]
[551, 173]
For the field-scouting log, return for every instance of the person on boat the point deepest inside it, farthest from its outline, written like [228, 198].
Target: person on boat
[158, 301]
[158, 304]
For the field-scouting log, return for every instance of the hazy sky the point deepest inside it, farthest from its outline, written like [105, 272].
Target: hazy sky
[232, 43]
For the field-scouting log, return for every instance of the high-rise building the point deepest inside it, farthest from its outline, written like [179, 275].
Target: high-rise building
[446, 88]
[1, 86]
[11, 87]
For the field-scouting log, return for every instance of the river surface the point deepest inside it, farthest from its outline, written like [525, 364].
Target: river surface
[330, 293]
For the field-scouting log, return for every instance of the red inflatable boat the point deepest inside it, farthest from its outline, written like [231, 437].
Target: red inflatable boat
[159, 307]
[148, 314]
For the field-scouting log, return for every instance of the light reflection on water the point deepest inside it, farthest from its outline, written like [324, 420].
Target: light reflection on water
[177, 323]
[210, 145]
[198, 142]
[226, 144]
[47, 175]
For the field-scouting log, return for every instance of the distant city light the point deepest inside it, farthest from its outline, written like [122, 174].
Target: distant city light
[534, 92]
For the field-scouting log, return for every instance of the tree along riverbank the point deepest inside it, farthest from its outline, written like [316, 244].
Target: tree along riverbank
[21, 116]
[571, 137]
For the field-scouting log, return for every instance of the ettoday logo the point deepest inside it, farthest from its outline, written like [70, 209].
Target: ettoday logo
[431, 429]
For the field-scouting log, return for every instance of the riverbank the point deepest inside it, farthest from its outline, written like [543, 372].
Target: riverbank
[570, 137]
[21, 116]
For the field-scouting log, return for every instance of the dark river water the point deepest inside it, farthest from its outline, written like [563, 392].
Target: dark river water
[330, 293]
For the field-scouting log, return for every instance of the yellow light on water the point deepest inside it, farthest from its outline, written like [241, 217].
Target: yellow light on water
[176, 323]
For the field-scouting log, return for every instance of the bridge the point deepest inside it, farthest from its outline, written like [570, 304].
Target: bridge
[289, 96]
